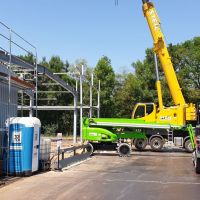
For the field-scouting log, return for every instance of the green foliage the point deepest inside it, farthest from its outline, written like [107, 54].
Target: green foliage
[186, 59]
[50, 129]
[28, 58]
[127, 95]
[105, 73]
[145, 74]
[56, 64]
[119, 92]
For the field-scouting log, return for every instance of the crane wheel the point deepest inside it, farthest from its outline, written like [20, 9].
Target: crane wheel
[124, 149]
[140, 144]
[188, 146]
[90, 149]
[156, 143]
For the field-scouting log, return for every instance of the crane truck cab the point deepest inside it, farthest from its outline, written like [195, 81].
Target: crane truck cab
[173, 115]
[145, 111]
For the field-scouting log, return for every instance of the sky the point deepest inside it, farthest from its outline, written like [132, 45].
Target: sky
[90, 29]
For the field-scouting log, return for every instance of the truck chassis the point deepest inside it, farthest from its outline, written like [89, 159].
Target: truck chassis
[116, 134]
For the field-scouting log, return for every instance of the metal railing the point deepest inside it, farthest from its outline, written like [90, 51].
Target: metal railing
[71, 155]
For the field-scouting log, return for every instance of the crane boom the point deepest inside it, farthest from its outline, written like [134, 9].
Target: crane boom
[161, 50]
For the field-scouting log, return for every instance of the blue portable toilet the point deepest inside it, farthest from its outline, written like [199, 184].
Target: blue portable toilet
[22, 155]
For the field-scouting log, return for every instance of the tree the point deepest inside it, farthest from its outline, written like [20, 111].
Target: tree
[56, 64]
[128, 93]
[28, 58]
[186, 59]
[145, 74]
[105, 73]
[119, 92]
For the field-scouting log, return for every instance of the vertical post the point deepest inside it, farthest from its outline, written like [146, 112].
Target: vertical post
[31, 107]
[91, 85]
[156, 66]
[81, 103]
[98, 103]
[76, 85]
[58, 166]
[36, 83]
[75, 115]
[9, 70]
[158, 84]
[75, 120]
[22, 102]
[9, 98]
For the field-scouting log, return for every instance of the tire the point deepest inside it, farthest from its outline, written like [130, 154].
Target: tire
[124, 149]
[156, 143]
[140, 144]
[188, 146]
[193, 158]
[90, 149]
[197, 167]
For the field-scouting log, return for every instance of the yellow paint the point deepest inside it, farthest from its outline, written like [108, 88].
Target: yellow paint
[160, 49]
[181, 112]
[159, 91]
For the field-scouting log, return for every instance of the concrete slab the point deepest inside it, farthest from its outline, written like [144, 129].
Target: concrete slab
[143, 176]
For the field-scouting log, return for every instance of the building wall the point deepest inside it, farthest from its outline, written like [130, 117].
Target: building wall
[6, 110]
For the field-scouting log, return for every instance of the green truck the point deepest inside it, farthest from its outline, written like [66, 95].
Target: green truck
[121, 134]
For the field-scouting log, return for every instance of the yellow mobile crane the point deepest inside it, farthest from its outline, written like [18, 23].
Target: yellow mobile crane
[149, 124]
[181, 113]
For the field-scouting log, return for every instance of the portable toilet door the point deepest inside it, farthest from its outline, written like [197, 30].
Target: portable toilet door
[36, 142]
[24, 140]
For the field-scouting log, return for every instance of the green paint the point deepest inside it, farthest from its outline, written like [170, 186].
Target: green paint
[114, 129]
[191, 134]
[112, 133]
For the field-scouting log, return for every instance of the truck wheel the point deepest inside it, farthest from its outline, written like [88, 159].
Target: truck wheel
[140, 144]
[197, 167]
[193, 158]
[156, 144]
[90, 149]
[188, 146]
[124, 149]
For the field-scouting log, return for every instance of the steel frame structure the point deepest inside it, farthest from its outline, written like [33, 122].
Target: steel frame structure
[16, 64]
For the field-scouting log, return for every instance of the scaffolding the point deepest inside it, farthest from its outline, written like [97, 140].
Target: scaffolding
[20, 68]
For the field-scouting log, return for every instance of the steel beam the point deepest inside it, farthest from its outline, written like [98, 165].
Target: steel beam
[4, 57]
[53, 107]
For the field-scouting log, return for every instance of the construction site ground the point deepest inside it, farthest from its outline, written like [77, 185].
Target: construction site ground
[142, 176]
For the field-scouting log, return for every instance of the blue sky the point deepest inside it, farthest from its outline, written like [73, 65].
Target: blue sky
[90, 29]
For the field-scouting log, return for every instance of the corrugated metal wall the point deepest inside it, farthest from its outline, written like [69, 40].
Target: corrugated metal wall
[5, 110]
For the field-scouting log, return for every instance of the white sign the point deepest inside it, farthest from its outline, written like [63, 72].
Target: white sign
[17, 137]
[59, 140]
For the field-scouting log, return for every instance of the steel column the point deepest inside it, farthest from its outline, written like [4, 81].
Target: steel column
[91, 86]
[81, 103]
[98, 103]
